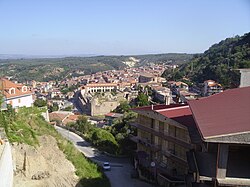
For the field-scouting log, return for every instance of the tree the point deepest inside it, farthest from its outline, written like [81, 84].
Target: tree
[123, 107]
[53, 107]
[83, 125]
[142, 100]
[40, 103]
[121, 131]
[104, 140]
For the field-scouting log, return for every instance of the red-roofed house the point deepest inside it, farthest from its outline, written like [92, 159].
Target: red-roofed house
[211, 87]
[17, 95]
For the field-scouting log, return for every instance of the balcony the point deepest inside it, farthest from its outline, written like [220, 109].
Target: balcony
[172, 156]
[146, 143]
[156, 148]
[163, 135]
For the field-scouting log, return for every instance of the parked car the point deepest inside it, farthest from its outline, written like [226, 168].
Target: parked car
[106, 166]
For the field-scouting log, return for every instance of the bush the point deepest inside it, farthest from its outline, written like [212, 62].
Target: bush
[104, 140]
[40, 103]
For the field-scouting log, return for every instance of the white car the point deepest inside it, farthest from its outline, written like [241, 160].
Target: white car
[106, 166]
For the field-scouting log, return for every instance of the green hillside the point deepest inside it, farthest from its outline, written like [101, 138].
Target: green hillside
[26, 125]
[45, 69]
[219, 63]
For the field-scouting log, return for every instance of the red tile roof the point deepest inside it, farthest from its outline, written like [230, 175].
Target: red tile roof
[180, 113]
[101, 84]
[223, 114]
[6, 85]
[157, 107]
[115, 115]
[70, 118]
[176, 112]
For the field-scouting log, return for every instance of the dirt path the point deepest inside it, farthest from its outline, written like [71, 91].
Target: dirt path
[43, 166]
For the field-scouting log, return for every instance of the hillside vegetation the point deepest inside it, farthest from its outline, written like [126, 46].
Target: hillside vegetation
[219, 63]
[27, 126]
[45, 69]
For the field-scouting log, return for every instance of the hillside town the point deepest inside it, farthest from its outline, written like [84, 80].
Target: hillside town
[181, 129]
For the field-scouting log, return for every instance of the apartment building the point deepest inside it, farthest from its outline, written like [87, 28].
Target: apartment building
[204, 143]
[211, 87]
[222, 158]
[162, 142]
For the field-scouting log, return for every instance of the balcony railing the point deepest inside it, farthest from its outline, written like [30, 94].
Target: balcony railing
[146, 143]
[157, 148]
[174, 157]
[163, 135]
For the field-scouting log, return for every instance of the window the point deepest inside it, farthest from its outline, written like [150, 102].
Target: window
[24, 89]
[12, 90]
[19, 100]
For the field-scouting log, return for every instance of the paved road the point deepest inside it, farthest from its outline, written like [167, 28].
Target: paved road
[119, 175]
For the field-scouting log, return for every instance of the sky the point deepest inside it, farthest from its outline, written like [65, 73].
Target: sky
[118, 27]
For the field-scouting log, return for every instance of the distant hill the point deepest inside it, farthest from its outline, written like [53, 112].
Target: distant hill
[219, 62]
[45, 69]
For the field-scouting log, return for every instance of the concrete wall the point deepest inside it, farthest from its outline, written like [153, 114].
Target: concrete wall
[6, 166]
[46, 115]
[245, 77]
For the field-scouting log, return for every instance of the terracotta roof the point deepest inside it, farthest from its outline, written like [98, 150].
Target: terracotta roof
[209, 81]
[176, 112]
[57, 116]
[180, 83]
[114, 115]
[101, 84]
[223, 114]
[180, 113]
[70, 118]
[145, 74]
[157, 107]
[6, 85]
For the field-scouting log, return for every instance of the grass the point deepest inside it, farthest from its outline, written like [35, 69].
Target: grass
[88, 171]
[27, 124]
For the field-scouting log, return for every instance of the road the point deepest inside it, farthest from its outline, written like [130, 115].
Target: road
[119, 175]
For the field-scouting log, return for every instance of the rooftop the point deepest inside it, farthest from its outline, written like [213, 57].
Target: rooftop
[223, 114]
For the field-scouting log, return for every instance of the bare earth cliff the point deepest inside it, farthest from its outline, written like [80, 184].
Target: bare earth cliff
[42, 166]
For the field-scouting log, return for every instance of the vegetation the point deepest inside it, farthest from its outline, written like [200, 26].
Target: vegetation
[53, 107]
[45, 69]
[121, 130]
[123, 107]
[100, 138]
[142, 100]
[218, 63]
[24, 127]
[40, 103]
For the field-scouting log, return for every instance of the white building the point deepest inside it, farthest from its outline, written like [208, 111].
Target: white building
[99, 87]
[245, 77]
[17, 95]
